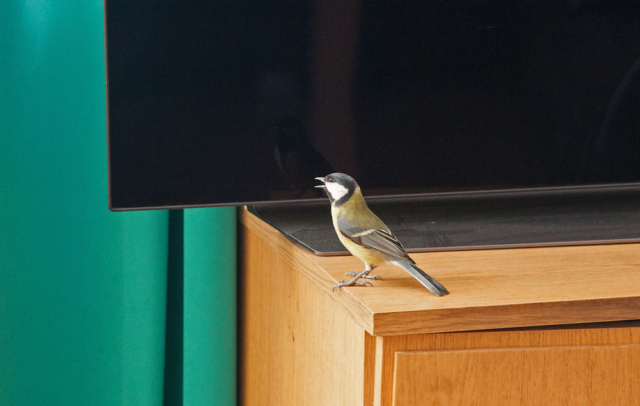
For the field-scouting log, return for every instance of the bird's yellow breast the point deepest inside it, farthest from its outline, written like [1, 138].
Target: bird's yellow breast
[356, 212]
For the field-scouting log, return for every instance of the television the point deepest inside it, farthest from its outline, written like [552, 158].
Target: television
[217, 103]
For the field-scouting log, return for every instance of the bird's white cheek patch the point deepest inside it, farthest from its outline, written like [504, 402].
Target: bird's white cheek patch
[336, 190]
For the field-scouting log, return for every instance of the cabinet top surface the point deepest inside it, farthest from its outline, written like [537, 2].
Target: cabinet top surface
[489, 289]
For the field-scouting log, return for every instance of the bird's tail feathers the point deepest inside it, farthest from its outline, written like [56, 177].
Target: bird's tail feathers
[428, 282]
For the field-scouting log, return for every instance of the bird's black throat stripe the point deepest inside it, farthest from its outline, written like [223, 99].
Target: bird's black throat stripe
[344, 198]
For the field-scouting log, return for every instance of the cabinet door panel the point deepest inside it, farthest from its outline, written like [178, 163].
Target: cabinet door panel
[574, 375]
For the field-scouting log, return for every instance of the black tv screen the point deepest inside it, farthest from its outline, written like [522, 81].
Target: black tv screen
[229, 102]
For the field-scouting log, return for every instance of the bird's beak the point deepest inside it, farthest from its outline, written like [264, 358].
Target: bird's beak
[320, 186]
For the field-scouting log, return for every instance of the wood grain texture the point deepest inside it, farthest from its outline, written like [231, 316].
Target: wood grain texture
[387, 348]
[298, 347]
[369, 368]
[490, 289]
[304, 263]
[549, 376]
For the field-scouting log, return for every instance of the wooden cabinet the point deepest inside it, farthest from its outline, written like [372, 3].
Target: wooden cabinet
[537, 326]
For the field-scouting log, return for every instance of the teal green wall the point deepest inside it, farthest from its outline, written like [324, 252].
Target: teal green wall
[82, 289]
[209, 307]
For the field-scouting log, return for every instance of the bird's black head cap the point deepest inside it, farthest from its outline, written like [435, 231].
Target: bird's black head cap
[339, 186]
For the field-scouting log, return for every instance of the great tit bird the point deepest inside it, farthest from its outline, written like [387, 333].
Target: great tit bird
[366, 236]
[297, 159]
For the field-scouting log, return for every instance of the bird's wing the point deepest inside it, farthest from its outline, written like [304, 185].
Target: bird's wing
[381, 240]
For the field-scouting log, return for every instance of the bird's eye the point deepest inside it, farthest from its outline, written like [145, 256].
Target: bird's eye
[329, 178]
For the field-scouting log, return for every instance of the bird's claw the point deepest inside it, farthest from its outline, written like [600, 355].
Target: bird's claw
[377, 277]
[357, 275]
[351, 283]
[363, 284]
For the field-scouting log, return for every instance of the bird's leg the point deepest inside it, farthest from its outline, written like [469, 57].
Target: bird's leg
[363, 274]
[369, 268]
